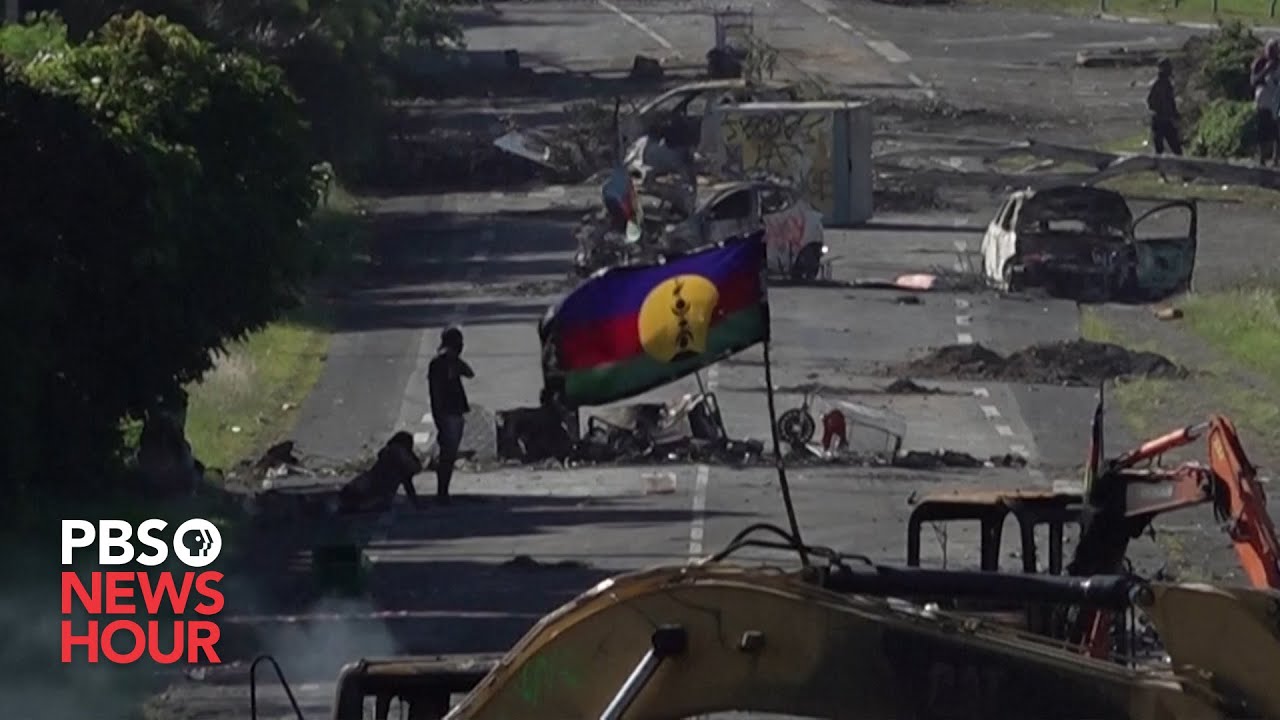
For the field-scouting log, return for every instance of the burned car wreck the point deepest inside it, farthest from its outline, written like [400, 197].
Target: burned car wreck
[638, 225]
[1083, 243]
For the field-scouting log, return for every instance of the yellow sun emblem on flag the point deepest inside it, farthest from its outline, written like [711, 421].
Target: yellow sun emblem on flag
[676, 317]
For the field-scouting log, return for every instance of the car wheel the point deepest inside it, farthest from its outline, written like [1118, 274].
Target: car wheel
[1011, 277]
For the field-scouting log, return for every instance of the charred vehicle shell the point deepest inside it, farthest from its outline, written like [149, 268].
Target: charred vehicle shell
[641, 225]
[1084, 243]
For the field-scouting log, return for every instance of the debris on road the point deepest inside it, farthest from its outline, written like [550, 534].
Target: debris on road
[1168, 313]
[1076, 362]
[907, 386]
[525, 562]
[917, 460]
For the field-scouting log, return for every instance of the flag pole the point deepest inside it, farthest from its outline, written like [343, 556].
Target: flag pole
[778, 461]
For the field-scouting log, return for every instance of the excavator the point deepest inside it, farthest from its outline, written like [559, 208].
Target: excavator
[1121, 498]
[828, 635]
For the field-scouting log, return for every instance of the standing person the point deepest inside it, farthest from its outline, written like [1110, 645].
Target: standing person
[1265, 77]
[1163, 104]
[448, 405]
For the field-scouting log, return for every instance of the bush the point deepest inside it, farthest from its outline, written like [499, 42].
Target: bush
[161, 213]
[1225, 129]
[1223, 70]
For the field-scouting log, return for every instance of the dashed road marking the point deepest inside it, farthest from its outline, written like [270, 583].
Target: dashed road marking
[1004, 430]
[639, 25]
[991, 411]
[981, 392]
[889, 51]
[964, 320]
[962, 304]
[964, 338]
[698, 521]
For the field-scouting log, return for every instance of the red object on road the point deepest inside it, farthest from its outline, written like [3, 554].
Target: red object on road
[833, 427]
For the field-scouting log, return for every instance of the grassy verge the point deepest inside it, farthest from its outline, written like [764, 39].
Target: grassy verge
[1256, 11]
[1150, 185]
[1243, 324]
[249, 399]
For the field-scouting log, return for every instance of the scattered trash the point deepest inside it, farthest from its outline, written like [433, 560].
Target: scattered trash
[1168, 313]
[1076, 362]
[524, 562]
[907, 386]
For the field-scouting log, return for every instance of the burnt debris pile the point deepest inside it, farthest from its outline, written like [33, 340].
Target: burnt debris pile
[1076, 362]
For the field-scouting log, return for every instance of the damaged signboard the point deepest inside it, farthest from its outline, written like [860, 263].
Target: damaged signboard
[1084, 243]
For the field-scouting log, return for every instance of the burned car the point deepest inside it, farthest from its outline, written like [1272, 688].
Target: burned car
[646, 226]
[676, 115]
[1084, 243]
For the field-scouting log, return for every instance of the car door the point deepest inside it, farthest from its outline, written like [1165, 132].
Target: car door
[999, 242]
[1165, 241]
[735, 213]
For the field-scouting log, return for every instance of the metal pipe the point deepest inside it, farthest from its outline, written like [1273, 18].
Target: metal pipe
[668, 641]
[1110, 591]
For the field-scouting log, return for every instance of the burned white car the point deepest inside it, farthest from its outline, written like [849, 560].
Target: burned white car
[676, 116]
[793, 229]
[1083, 242]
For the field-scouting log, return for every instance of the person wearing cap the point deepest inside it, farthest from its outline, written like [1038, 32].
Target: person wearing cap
[448, 405]
[1264, 74]
[1163, 104]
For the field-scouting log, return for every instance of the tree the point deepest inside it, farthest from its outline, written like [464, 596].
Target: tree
[165, 189]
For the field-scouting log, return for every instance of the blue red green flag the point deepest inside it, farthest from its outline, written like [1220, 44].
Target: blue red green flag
[633, 328]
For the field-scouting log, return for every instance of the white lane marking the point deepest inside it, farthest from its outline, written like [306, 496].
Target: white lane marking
[961, 245]
[991, 411]
[1004, 430]
[982, 392]
[964, 338]
[962, 304]
[924, 86]
[697, 523]
[428, 420]
[964, 320]
[1036, 35]
[637, 24]
[889, 51]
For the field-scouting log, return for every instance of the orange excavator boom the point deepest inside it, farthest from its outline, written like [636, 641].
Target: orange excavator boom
[1243, 505]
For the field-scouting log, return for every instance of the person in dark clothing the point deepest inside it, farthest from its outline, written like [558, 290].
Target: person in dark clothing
[374, 489]
[448, 405]
[1163, 104]
[1264, 75]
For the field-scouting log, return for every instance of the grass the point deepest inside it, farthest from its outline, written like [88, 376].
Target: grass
[1258, 11]
[250, 399]
[1149, 185]
[1244, 325]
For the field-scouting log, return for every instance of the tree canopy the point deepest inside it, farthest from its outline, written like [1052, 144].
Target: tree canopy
[164, 189]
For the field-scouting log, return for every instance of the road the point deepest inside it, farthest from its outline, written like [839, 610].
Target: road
[494, 261]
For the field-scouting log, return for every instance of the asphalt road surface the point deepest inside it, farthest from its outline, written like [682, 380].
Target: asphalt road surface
[493, 262]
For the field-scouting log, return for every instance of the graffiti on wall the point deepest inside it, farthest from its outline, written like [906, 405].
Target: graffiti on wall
[792, 144]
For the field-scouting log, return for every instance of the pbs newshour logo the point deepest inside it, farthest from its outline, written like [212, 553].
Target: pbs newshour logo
[196, 543]
[164, 615]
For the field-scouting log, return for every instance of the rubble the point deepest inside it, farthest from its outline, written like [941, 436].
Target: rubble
[1075, 362]
[907, 386]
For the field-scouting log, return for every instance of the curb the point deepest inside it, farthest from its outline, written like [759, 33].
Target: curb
[1272, 29]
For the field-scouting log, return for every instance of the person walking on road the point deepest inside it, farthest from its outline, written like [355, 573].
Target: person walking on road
[448, 405]
[1264, 74]
[1163, 104]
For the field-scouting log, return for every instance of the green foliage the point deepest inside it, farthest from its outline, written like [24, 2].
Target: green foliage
[1223, 69]
[1225, 129]
[41, 34]
[424, 23]
[165, 188]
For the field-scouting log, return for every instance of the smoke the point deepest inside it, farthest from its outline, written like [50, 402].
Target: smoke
[318, 650]
[34, 682]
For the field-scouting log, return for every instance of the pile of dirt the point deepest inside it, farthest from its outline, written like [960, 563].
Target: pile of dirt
[1077, 362]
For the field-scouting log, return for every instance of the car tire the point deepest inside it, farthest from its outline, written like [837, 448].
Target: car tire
[1011, 277]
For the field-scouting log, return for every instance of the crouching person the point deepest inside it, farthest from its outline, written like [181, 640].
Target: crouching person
[374, 489]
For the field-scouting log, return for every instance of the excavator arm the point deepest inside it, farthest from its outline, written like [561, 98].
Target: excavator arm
[688, 641]
[1242, 505]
